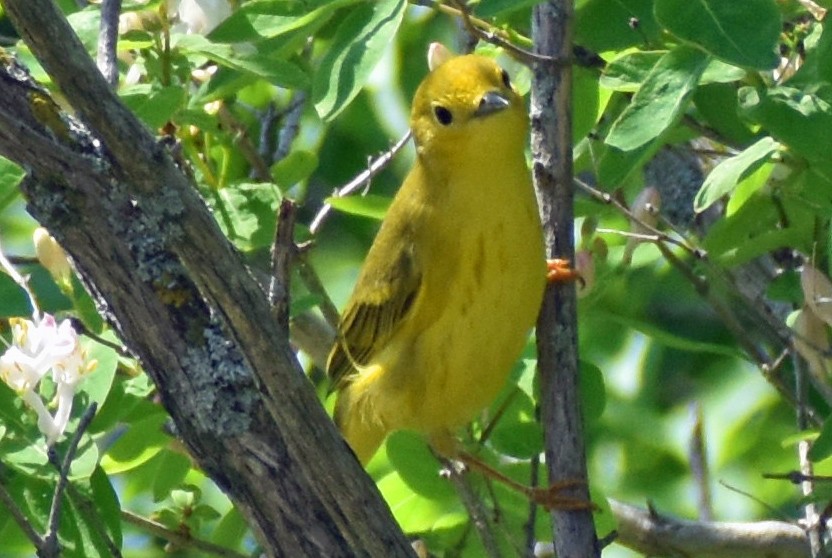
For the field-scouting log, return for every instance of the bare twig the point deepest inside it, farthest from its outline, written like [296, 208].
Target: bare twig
[474, 506]
[108, 41]
[82, 329]
[50, 541]
[283, 252]
[659, 535]
[290, 126]
[313, 283]
[814, 529]
[557, 327]
[699, 464]
[178, 538]
[360, 180]
[242, 140]
[486, 32]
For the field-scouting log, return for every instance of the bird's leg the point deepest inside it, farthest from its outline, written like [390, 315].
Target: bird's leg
[559, 271]
[549, 497]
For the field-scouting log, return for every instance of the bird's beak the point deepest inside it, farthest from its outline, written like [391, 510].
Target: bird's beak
[491, 102]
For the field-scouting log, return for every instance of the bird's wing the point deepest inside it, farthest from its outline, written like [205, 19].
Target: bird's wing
[382, 297]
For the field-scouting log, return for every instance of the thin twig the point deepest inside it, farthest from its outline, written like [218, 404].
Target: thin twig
[474, 506]
[19, 518]
[360, 180]
[242, 140]
[290, 126]
[50, 542]
[108, 41]
[607, 199]
[485, 32]
[82, 329]
[283, 252]
[531, 520]
[807, 487]
[313, 283]
[699, 464]
[750, 496]
[178, 538]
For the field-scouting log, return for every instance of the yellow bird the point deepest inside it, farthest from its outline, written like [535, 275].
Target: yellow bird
[454, 279]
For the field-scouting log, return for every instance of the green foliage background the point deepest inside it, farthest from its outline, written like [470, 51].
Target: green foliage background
[743, 86]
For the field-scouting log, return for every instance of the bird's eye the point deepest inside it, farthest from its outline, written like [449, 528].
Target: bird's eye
[506, 80]
[443, 115]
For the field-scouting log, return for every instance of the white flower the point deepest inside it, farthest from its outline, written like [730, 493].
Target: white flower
[38, 348]
[199, 16]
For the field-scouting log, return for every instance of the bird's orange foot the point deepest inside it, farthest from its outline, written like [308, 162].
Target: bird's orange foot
[559, 271]
[551, 498]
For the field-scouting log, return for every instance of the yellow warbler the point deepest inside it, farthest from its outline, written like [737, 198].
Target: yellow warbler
[454, 280]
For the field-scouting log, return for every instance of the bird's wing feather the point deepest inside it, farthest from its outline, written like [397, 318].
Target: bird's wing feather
[382, 298]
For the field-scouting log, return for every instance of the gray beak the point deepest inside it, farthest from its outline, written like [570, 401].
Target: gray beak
[490, 103]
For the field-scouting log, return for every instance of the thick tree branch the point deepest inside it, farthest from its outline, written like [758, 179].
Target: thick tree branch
[557, 331]
[179, 295]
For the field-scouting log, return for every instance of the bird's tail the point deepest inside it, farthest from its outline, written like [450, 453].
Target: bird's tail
[359, 424]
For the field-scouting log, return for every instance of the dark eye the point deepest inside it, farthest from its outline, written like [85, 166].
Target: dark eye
[506, 80]
[443, 115]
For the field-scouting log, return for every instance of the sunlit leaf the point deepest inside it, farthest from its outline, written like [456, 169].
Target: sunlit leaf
[661, 100]
[725, 176]
[357, 47]
[742, 33]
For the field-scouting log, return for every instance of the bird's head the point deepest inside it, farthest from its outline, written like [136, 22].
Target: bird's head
[467, 101]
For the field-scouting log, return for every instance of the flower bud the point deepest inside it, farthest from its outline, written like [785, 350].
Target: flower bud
[52, 257]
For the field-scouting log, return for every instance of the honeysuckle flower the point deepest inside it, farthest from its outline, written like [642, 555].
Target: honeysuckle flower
[199, 16]
[39, 348]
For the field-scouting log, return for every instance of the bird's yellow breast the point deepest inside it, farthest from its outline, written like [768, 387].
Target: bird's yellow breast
[454, 280]
[484, 275]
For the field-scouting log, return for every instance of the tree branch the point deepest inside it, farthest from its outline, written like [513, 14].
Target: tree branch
[557, 330]
[647, 532]
[179, 295]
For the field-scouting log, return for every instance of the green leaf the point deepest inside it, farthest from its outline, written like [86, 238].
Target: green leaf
[799, 119]
[723, 179]
[358, 45]
[171, 471]
[295, 167]
[371, 205]
[601, 25]
[628, 71]
[142, 441]
[516, 432]
[670, 339]
[660, 101]
[107, 506]
[741, 33]
[245, 59]
[267, 19]
[10, 176]
[415, 513]
[749, 185]
[98, 383]
[230, 530]
[417, 466]
[593, 392]
[717, 104]
[248, 213]
[822, 447]
[155, 106]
